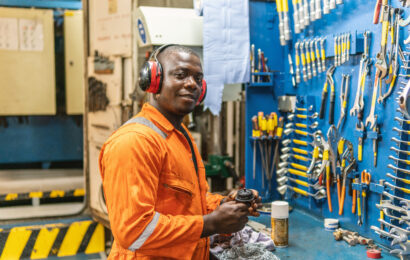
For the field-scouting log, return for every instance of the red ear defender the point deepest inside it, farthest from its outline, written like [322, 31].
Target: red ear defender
[203, 92]
[156, 73]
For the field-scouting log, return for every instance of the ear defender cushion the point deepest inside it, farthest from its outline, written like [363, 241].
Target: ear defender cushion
[145, 76]
[203, 92]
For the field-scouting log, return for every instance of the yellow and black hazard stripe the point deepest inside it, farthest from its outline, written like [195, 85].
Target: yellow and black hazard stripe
[61, 239]
[42, 195]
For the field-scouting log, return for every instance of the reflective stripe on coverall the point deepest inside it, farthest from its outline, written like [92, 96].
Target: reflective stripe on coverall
[155, 199]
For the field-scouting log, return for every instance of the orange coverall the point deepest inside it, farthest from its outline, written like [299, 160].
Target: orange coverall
[155, 199]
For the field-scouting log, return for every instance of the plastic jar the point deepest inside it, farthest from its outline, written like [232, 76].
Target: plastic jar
[280, 223]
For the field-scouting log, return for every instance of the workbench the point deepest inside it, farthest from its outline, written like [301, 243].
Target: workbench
[308, 240]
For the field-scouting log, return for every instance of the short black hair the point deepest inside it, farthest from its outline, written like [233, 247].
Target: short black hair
[174, 49]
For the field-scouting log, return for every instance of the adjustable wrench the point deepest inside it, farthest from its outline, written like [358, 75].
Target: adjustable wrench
[307, 53]
[302, 56]
[319, 66]
[296, 16]
[312, 57]
[381, 63]
[297, 62]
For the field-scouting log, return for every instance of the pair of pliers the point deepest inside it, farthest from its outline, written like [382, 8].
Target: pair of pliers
[329, 81]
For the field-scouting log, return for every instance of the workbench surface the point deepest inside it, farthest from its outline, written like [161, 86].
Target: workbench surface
[308, 240]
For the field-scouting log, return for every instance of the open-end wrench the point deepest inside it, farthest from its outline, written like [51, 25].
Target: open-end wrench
[372, 118]
[399, 160]
[348, 47]
[319, 66]
[294, 165]
[296, 16]
[402, 121]
[300, 125]
[303, 59]
[399, 151]
[279, 9]
[404, 102]
[322, 53]
[400, 141]
[381, 63]
[401, 131]
[391, 166]
[312, 57]
[393, 187]
[285, 10]
[301, 15]
[397, 178]
[301, 116]
[321, 194]
[335, 50]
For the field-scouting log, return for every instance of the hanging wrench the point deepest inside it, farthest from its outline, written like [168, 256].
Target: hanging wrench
[372, 118]
[318, 13]
[296, 16]
[306, 12]
[319, 66]
[307, 53]
[335, 49]
[312, 10]
[303, 59]
[297, 62]
[332, 4]
[381, 63]
[301, 15]
[326, 9]
[312, 57]
[323, 54]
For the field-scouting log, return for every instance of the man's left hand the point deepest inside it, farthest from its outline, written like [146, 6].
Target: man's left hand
[256, 203]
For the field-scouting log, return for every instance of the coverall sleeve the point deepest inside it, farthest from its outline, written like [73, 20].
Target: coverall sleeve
[212, 200]
[130, 166]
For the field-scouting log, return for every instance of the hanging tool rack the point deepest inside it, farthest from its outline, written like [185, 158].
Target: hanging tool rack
[321, 77]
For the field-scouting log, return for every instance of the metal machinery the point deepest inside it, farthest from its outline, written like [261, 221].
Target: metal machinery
[315, 59]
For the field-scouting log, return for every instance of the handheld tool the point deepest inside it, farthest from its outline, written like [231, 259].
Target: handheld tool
[294, 172]
[285, 10]
[279, 9]
[375, 145]
[312, 57]
[401, 131]
[296, 16]
[319, 66]
[376, 14]
[402, 121]
[404, 102]
[253, 61]
[348, 163]
[394, 139]
[305, 126]
[303, 59]
[329, 81]
[393, 187]
[372, 118]
[322, 53]
[326, 9]
[301, 15]
[284, 157]
[406, 152]
[355, 180]
[307, 54]
[296, 150]
[335, 50]
[399, 160]
[344, 91]
[365, 178]
[397, 178]
[297, 62]
[318, 13]
[397, 169]
[278, 135]
[321, 194]
[306, 12]
[294, 165]
[312, 10]
[297, 131]
[255, 134]
[332, 4]
[381, 63]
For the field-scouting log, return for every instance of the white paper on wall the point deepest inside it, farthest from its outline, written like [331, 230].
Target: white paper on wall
[31, 35]
[9, 34]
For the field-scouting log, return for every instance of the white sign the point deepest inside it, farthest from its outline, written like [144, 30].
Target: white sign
[8, 34]
[31, 35]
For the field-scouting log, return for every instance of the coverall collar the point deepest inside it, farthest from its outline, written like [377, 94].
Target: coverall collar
[156, 116]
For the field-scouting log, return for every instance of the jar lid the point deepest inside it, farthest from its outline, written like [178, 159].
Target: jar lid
[280, 209]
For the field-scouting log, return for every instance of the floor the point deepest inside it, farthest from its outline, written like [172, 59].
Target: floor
[308, 240]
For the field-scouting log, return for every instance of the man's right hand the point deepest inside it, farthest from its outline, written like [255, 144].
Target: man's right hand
[228, 218]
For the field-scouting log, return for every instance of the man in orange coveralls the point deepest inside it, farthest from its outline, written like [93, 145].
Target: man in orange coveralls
[153, 175]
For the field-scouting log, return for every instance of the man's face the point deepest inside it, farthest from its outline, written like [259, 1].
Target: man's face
[181, 85]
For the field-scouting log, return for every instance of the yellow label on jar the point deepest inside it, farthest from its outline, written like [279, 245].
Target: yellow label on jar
[280, 232]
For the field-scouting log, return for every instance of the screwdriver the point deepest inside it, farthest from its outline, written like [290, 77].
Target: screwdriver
[255, 134]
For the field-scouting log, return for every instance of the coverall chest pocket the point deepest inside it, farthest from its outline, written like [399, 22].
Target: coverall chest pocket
[175, 195]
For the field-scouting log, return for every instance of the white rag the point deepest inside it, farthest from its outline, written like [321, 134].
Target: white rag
[226, 47]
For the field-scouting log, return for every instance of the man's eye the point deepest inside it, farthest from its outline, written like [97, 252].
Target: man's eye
[198, 79]
[180, 75]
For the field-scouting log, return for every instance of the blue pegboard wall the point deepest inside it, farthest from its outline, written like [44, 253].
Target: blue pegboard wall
[354, 17]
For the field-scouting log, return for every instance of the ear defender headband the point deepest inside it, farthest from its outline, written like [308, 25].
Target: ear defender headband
[151, 75]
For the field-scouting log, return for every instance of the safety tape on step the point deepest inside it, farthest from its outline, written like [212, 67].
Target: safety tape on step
[52, 240]
[42, 195]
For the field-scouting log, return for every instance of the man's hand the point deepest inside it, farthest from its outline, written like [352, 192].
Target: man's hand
[256, 203]
[228, 218]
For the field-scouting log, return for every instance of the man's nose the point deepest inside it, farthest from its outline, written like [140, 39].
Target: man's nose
[191, 83]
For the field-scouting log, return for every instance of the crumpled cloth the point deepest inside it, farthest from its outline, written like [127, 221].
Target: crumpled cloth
[249, 236]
